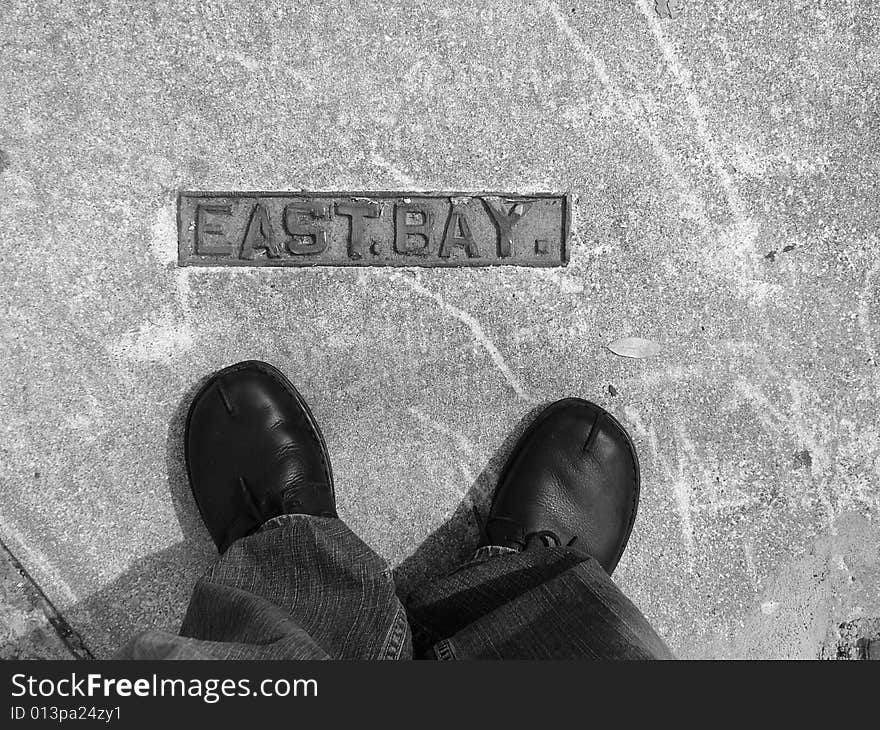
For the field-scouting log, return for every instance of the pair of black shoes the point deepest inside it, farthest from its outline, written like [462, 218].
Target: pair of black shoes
[254, 451]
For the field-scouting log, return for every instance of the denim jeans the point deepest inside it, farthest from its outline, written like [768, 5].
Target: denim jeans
[307, 587]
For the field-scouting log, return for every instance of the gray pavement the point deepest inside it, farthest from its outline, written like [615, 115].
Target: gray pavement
[724, 164]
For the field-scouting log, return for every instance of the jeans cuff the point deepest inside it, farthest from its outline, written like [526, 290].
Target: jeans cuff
[279, 521]
[491, 551]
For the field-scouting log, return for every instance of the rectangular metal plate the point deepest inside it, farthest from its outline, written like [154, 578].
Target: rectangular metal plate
[372, 229]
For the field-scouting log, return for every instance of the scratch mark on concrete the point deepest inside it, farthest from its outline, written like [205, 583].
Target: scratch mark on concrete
[740, 239]
[704, 467]
[461, 441]
[37, 561]
[479, 335]
[458, 438]
[672, 373]
[159, 341]
[802, 425]
[398, 175]
[633, 111]
[679, 483]
[737, 206]
[688, 450]
[770, 416]
[723, 505]
[681, 491]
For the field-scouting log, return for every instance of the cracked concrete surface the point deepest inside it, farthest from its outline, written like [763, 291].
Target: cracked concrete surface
[724, 164]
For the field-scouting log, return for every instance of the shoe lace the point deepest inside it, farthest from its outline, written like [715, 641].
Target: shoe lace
[548, 538]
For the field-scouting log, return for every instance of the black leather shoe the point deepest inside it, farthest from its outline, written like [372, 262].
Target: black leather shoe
[573, 478]
[253, 452]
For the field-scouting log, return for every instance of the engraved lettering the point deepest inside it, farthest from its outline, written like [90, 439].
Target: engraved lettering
[411, 221]
[305, 237]
[372, 228]
[357, 212]
[206, 228]
[458, 234]
[259, 235]
[505, 222]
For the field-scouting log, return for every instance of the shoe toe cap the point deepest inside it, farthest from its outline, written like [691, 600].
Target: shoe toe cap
[575, 473]
[250, 441]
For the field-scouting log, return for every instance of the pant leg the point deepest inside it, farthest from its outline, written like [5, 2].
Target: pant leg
[301, 587]
[541, 603]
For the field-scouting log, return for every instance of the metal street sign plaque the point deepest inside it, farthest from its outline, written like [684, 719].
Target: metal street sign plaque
[372, 229]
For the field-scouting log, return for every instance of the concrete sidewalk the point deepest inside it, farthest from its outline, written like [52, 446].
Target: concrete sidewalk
[724, 164]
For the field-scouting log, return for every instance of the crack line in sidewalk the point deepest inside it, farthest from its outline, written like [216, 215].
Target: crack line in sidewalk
[68, 636]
